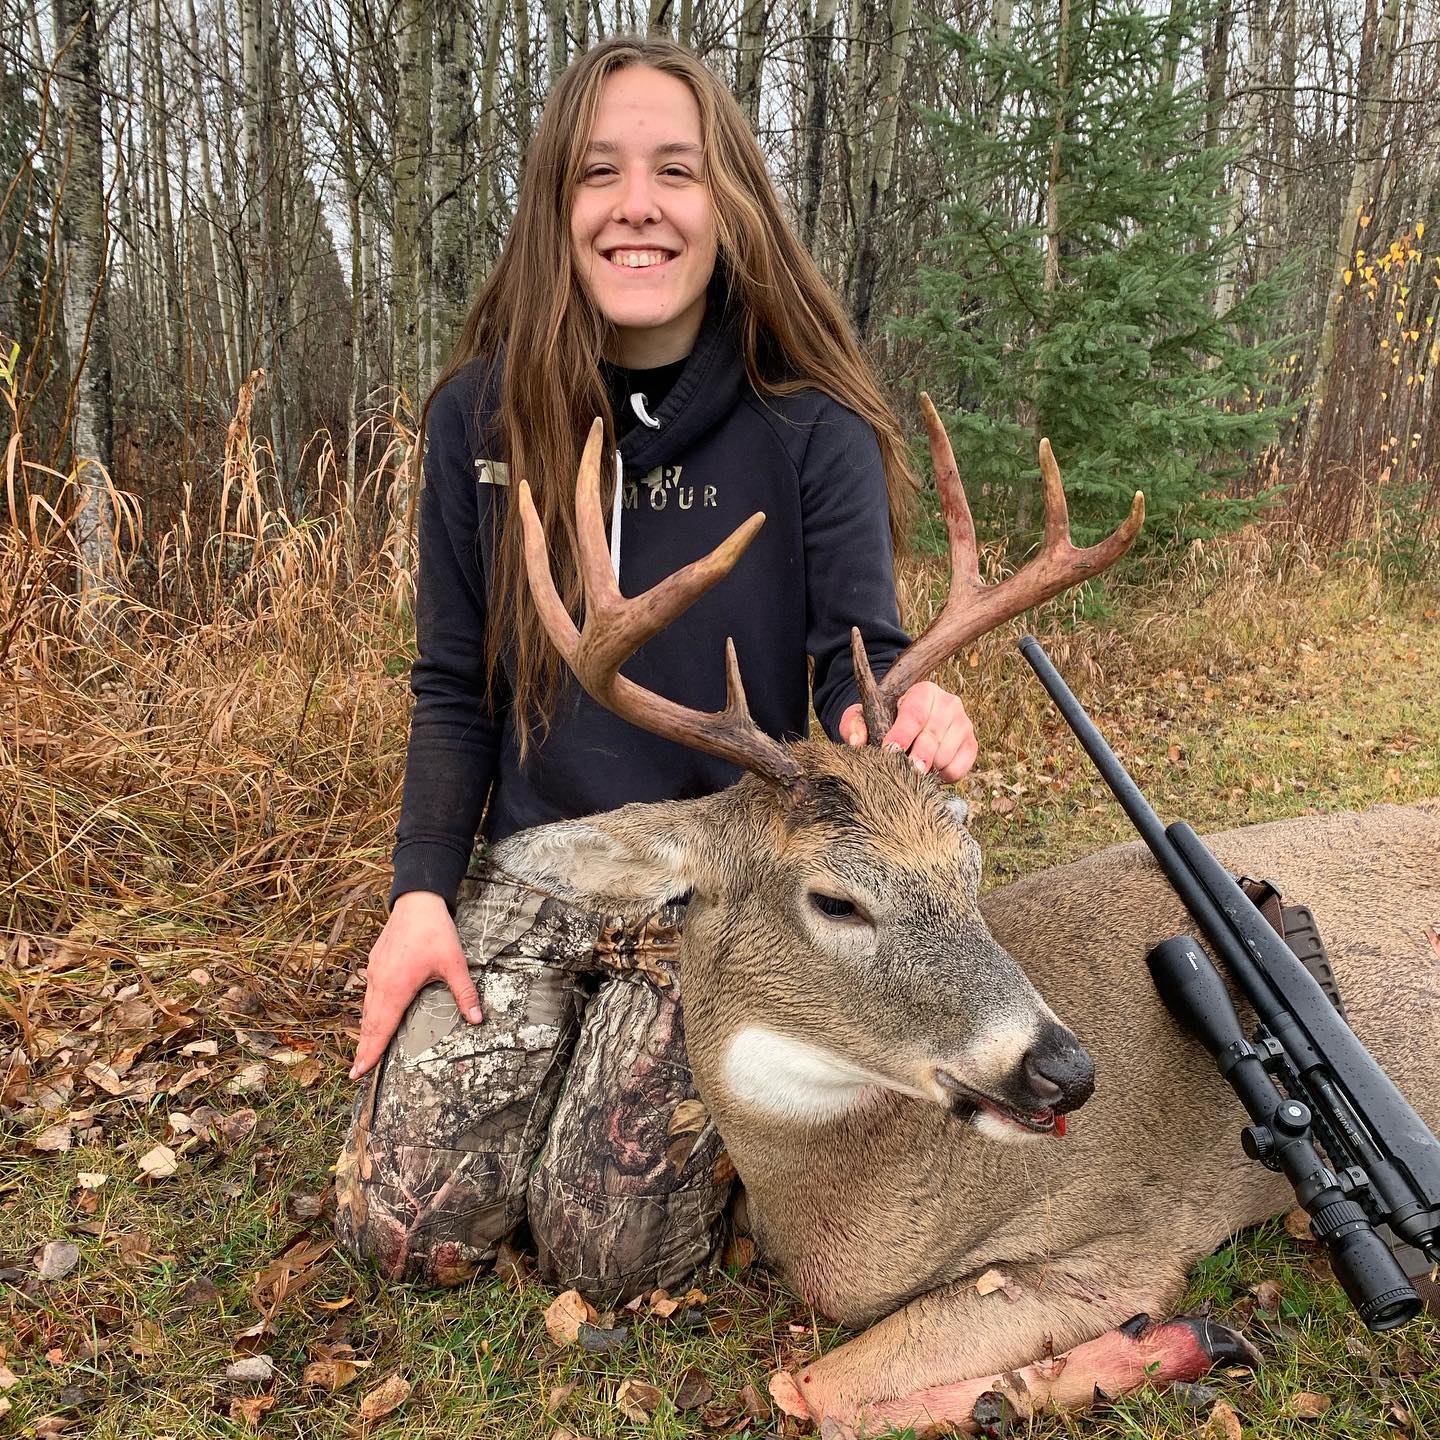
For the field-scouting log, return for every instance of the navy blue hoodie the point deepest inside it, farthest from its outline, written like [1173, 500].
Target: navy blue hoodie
[820, 564]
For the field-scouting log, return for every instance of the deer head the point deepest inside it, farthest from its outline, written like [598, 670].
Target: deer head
[834, 948]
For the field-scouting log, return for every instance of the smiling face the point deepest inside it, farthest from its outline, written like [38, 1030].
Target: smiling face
[642, 225]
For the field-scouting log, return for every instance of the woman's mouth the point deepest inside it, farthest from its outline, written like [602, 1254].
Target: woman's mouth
[637, 259]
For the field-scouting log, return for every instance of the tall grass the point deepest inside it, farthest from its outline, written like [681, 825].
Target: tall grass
[211, 745]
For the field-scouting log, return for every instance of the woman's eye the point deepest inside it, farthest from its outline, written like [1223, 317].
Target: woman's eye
[830, 905]
[599, 172]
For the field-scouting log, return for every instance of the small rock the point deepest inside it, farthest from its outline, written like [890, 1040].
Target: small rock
[252, 1370]
[57, 1260]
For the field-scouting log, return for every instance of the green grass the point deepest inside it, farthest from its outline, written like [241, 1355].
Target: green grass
[1341, 718]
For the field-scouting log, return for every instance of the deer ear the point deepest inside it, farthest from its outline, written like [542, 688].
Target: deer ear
[607, 864]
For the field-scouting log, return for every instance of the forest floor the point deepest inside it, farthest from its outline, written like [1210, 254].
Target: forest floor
[198, 855]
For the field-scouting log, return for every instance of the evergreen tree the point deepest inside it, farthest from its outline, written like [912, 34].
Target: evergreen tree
[1072, 293]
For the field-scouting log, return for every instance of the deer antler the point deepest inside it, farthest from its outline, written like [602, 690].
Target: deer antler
[616, 627]
[972, 608]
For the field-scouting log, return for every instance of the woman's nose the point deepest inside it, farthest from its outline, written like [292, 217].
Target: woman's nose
[635, 203]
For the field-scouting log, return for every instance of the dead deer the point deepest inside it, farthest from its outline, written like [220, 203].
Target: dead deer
[871, 1037]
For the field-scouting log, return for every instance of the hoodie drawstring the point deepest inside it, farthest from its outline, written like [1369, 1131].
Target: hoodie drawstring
[637, 404]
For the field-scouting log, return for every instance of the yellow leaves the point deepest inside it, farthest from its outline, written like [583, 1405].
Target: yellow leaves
[1365, 222]
[1419, 229]
[1349, 275]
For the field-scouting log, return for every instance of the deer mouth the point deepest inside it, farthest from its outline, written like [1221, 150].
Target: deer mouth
[966, 1101]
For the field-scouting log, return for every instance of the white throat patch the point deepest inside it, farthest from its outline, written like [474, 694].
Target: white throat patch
[793, 1080]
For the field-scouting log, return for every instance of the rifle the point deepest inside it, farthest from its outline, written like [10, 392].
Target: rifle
[1303, 1074]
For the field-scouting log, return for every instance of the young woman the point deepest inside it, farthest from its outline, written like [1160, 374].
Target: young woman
[649, 278]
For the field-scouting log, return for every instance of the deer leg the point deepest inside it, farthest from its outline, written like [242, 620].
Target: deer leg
[1048, 1339]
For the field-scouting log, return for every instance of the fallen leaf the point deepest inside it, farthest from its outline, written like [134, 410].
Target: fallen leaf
[385, 1399]
[566, 1314]
[1267, 1296]
[991, 1280]
[91, 1179]
[135, 1249]
[159, 1163]
[201, 1047]
[232, 1129]
[694, 1391]
[288, 1273]
[754, 1403]
[557, 1397]
[637, 1401]
[307, 1072]
[598, 1339]
[8, 1378]
[1307, 1405]
[331, 1375]
[201, 1290]
[146, 1337]
[57, 1260]
[1297, 1226]
[662, 1305]
[249, 1410]
[248, 1078]
[53, 1140]
[1223, 1423]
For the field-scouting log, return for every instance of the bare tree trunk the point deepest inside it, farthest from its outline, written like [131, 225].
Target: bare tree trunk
[658, 22]
[750, 58]
[452, 215]
[166, 234]
[878, 168]
[86, 308]
[524, 85]
[406, 249]
[1373, 88]
[555, 16]
[489, 72]
[818, 45]
[219, 258]
[686, 32]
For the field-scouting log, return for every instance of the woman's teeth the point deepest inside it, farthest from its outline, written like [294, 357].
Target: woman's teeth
[638, 259]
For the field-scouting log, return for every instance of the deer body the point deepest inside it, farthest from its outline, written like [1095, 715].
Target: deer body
[891, 1063]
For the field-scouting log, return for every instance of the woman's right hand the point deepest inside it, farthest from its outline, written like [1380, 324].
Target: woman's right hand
[418, 944]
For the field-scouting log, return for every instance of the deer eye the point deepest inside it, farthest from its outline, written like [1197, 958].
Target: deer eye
[830, 905]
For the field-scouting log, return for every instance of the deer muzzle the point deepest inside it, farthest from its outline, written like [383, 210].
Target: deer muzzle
[1054, 1076]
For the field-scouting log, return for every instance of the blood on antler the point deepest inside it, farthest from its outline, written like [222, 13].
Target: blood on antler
[616, 627]
[973, 608]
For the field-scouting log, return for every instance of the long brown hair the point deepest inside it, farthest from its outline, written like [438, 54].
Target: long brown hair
[793, 335]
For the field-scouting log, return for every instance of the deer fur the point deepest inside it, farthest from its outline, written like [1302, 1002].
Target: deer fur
[815, 1044]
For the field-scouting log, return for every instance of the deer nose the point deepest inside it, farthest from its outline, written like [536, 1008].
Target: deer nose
[1059, 1070]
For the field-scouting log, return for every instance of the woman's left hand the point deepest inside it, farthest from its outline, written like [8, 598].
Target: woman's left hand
[931, 724]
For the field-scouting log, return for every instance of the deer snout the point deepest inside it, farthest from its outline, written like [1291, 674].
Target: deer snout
[1059, 1071]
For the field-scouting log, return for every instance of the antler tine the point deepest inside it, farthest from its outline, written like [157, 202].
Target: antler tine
[973, 609]
[615, 627]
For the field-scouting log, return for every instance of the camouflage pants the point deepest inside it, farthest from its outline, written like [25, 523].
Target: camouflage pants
[570, 1108]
